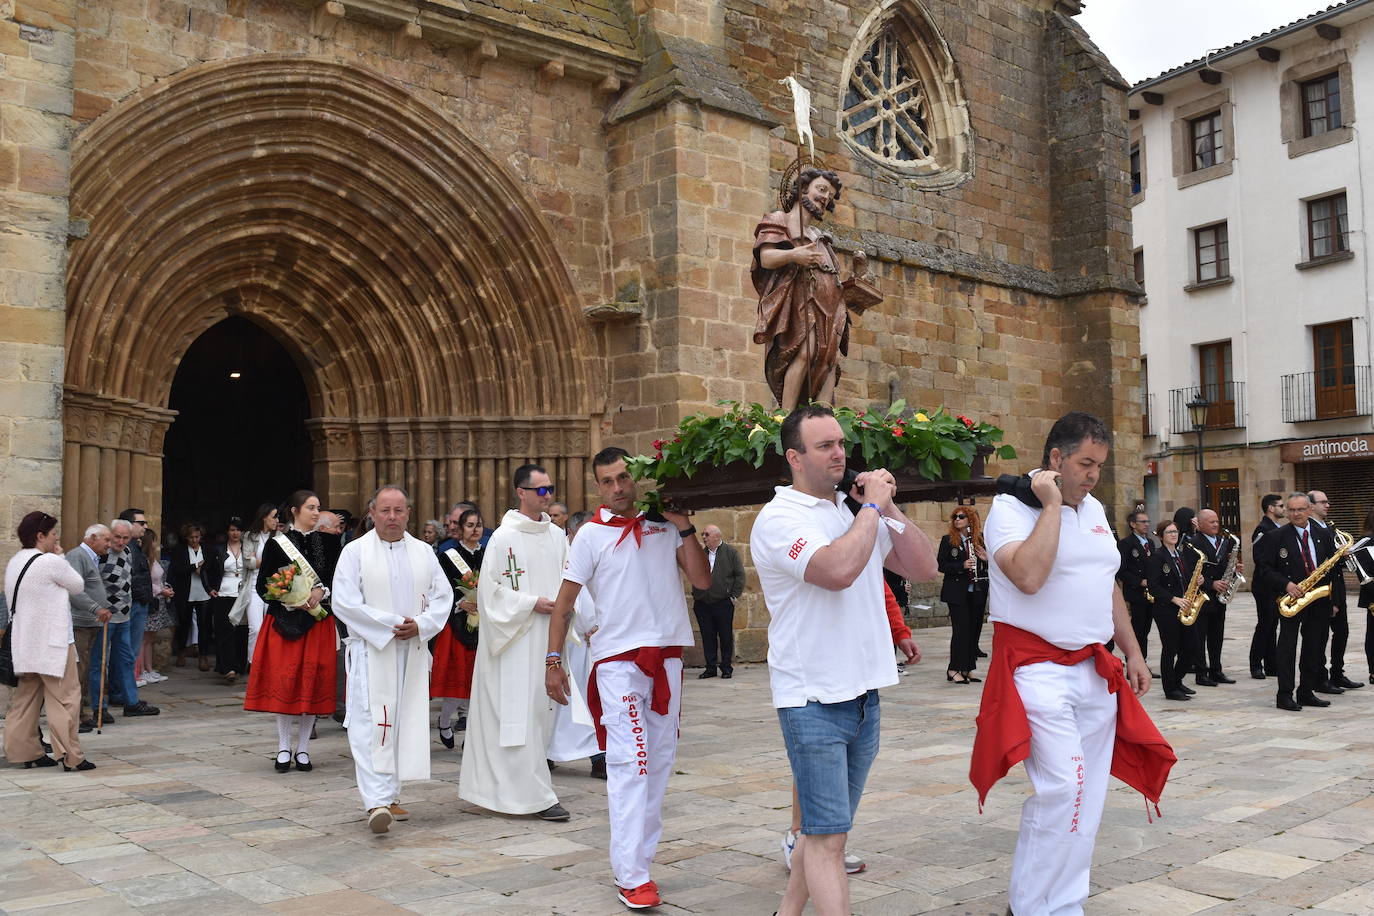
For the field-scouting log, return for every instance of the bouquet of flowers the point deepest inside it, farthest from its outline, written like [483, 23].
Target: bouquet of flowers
[292, 589]
[468, 586]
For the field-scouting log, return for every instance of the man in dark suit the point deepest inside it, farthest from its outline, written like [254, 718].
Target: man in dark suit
[1135, 549]
[715, 606]
[1339, 623]
[1217, 549]
[1264, 642]
[1283, 560]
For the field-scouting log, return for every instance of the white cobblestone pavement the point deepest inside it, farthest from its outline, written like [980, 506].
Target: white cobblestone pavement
[1267, 812]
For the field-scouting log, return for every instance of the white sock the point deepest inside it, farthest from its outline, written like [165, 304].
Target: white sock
[303, 739]
[446, 710]
[284, 725]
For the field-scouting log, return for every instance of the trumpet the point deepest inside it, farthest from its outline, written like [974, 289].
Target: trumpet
[1352, 560]
[1290, 606]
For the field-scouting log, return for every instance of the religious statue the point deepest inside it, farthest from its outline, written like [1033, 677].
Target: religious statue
[803, 318]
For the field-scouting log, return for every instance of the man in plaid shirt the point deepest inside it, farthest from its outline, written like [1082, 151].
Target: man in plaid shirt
[117, 571]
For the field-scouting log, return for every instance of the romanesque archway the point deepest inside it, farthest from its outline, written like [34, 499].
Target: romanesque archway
[419, 290]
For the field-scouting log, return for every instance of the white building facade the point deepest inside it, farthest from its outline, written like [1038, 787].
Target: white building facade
[1252, 185]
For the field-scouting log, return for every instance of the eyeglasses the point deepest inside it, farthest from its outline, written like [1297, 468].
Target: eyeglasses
[542, 491]
[957, 517]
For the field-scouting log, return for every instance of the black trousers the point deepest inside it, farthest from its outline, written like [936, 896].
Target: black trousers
[231, 642]
[1142, 614]
[1212, 623]
[1311, 624]
[1264, 642]
[1173, 636]
[204, 626]
[1340, 635]
[965, 620]
[716, 619]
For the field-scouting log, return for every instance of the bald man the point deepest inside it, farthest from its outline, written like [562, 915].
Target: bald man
[1216, 547]
[715, 606]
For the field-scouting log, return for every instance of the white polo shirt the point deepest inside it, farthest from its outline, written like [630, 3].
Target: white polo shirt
[1073, 608]
[823, 645]
[637, 590]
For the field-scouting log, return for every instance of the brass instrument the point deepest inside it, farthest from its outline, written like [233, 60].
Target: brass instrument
[1290, 606]
[1364, 571]
[1232, 578]
[1148, 597]
[1194, 596]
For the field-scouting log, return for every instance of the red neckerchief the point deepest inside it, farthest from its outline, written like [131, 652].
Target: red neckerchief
[1141, 757]
[649, 659]
[617, 521]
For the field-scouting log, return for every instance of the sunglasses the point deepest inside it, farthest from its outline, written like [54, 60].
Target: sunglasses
[542, 491]
[957, 517]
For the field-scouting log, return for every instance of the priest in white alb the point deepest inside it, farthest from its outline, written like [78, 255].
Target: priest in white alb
[391, 593]
[510, 717]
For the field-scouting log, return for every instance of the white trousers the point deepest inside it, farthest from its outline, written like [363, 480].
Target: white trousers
[255, 613]
[640, 748]
[1073, 728]
[377, 789]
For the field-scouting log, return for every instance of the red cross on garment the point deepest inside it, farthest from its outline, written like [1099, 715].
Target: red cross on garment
[513, 572]
[384, 725]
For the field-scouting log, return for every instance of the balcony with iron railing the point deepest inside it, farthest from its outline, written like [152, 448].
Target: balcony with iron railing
[1327, 394]
[1148, 426]
[1225, 406]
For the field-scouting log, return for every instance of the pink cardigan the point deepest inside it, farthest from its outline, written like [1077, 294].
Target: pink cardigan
[42, 620]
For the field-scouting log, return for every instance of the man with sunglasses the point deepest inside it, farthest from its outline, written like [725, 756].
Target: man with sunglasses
[510, 720]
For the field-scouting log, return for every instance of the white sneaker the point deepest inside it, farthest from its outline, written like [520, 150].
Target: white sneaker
[789, 843]
[157, 676]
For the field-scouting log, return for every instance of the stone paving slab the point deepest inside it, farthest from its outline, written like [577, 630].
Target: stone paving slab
[1267, 813]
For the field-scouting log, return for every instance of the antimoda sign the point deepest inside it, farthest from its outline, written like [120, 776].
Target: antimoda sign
[1327, 449]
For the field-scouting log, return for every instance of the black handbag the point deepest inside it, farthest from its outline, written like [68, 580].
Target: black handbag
[7, 675]
[291, 623]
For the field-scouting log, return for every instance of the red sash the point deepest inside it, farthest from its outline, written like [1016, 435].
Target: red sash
[649, 659]
[617, 521]
[1141, 757]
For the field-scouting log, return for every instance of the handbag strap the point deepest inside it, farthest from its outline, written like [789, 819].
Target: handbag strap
[14, 605]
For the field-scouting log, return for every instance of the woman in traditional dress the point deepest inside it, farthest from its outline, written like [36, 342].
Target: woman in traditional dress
[294, 660]
[455, 648]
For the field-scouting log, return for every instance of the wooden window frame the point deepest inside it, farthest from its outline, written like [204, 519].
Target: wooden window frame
[1338, 399]
[1326, 82]
[1221, 245]
[1331, 230]
[1214, 133]
[1218, 389]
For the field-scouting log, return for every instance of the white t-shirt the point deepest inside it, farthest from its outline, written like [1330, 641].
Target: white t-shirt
[637, 590]
[1073, 608]
[823, 645]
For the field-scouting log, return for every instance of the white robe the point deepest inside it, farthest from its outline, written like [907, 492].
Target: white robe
[376, 586]
[573, 735]
[511, 717]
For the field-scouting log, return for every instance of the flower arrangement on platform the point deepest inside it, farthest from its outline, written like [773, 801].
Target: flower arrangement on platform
[291, 588]
[933, 444]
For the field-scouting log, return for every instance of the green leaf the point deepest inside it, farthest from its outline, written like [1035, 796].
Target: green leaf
[1006, 453]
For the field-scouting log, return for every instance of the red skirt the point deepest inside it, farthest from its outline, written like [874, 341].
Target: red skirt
[451, 676]
[293, 677]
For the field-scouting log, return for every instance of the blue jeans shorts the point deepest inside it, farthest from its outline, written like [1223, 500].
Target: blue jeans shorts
[831, 747]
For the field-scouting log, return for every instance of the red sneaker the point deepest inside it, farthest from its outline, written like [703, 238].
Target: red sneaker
[641, 898]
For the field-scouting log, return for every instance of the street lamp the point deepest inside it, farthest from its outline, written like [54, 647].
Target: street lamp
[1197, 415]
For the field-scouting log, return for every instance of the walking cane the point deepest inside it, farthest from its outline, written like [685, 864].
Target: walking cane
[104, 665]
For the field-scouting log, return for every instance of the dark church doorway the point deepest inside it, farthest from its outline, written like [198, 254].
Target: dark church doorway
[239, 438]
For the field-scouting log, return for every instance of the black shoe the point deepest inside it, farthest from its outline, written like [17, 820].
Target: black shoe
[1186, 689]
[982, 654]
[1220, 678]
[1346, 683]
[554, 812]
[968, 676]
[599, 766]
[339, 716]
[106, 720]
[44, 761]
[1257, 673]
[82, 767]
[1308, 698]
[141, 708]
[461, 725]
[727, 672]
[84, 727]
[1328, 688]
[709, 672]
[1203, 680]
[1287, 702]
[1176, 695]
[446, 742]
[303, 763]
[283, 766]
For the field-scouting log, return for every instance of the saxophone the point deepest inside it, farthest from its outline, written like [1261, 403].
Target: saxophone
[1232, 578]
[1290, 606]
[1195, 596]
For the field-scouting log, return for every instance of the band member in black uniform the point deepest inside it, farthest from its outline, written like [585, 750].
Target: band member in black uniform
[1340, 622]
[1135, 549]
[1212, 622]
[1168, 575]
[1364, 559]
[964, 562]
[1264, 642]
[1282, 562]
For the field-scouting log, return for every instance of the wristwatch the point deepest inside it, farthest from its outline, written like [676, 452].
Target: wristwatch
[687, 532]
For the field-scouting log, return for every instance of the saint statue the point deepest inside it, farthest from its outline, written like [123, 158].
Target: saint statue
[802, 303]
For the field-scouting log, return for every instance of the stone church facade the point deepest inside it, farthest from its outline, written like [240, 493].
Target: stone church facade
[490, 231]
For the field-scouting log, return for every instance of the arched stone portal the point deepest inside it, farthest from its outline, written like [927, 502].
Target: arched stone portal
[420, 292]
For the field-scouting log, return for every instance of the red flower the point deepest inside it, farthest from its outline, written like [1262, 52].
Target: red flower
[898, 431]
[966, 421]
[658, 443]
[658, 456]
[677, 440]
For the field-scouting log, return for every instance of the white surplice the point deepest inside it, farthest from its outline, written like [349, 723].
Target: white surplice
[573, 735]
[377, 584]
[511, 717]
